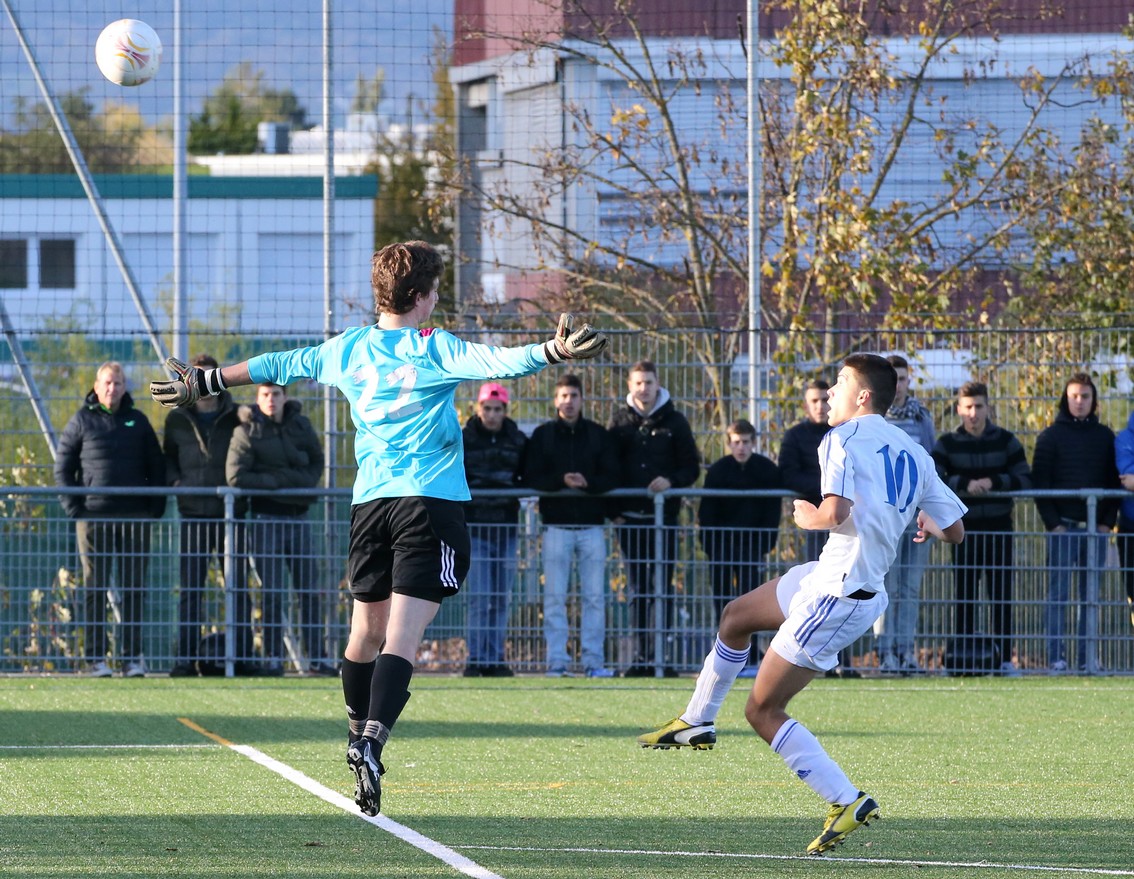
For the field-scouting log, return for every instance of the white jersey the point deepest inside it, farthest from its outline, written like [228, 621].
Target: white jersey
[887, 476]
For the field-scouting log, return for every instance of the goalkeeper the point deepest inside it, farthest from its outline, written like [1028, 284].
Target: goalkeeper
[409, 547]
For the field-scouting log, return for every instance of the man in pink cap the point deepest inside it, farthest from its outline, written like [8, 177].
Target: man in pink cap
[494, 448]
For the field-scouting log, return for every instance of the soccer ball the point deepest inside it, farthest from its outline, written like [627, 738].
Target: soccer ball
[128, 52]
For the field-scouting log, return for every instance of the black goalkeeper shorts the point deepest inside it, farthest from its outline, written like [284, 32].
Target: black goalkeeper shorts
[417, 546]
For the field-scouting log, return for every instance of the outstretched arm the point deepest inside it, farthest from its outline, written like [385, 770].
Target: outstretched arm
[193, 382]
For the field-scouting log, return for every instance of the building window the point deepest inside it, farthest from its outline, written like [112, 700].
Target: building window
[13, 264]
[57, 264]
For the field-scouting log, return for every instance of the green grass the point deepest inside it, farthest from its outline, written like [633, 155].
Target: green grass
[534, 778]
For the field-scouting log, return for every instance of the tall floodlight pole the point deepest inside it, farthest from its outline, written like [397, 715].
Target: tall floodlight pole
[180, 196]
[754, 185]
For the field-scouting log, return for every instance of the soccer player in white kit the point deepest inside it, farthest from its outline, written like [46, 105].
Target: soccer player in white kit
[409, 547]
[874, 480]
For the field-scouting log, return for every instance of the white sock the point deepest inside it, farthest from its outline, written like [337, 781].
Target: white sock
[717, 676]
[806, 758]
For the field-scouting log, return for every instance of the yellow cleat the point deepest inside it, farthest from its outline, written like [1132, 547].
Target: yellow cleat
[679, 734]
[842, 820]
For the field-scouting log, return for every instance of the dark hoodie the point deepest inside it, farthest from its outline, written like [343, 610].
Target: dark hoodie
[657, 443]
[493, 459]
[195, 449]
[1075, 453]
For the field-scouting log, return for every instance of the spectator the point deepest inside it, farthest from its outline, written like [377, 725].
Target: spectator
[1075, 452]
[896, 629]
[976, 458]
[573, 452]
[799, 457]
[275, 448]
[110, 444]
[196, 445]
[657, 452]
[1124, 457]
[494, 453]
[737, 533]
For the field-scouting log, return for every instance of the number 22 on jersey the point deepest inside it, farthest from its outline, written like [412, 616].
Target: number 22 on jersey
[368, 376]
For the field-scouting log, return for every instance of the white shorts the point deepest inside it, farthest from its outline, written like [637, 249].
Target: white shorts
[819, 624]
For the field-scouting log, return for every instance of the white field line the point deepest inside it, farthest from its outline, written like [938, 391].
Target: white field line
[833, 861]
[431, 847]
[101, 747]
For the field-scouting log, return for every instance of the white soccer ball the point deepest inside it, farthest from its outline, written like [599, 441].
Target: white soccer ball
[128, 52]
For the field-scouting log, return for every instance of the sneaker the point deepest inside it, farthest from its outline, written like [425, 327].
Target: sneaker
[842, 820]
[1059, 667]
[556, 673]
[100, 669]
[322, 670]
[497, 671]
[849, 674]
[134, 669]
[679, 734]
[1009, 670]
[908, 665]
[183, 670]
[889, 664]
[368, 774]
[473, 671]
[639, 671]
[599, 673]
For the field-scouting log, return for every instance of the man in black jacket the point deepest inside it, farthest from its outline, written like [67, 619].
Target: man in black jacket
[573, 452]
[275, 447]
[1075, 452]
[196, 445]
[976, 458]
[737, 533]
[799, 457]
[109, 443]
[494, 458]
[657, 452]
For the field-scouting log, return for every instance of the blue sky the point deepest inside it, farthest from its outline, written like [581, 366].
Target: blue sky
[280, 37]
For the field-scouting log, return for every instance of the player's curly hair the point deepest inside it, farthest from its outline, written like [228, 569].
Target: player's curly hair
[401, 272]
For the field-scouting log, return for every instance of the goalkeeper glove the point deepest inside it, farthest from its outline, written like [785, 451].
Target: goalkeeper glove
[572, 344]
[191, 384]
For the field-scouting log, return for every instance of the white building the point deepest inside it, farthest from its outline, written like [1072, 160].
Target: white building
[515, 107]
[254, 253]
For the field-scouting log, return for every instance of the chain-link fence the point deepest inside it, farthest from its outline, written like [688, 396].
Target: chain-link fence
[212, 594]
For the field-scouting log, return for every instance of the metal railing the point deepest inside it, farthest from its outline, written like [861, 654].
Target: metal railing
[41, 595]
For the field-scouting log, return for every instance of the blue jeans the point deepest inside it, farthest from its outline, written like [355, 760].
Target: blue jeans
[488, 591]
[586, 547]
[897, 627]
[1067, 556]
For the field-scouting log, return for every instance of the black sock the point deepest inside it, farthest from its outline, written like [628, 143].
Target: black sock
[358, 678]
[388, 695]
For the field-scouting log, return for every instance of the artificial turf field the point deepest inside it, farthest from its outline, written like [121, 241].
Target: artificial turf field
[529, 777]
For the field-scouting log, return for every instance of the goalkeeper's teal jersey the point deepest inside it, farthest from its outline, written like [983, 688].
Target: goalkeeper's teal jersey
[400, 384]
